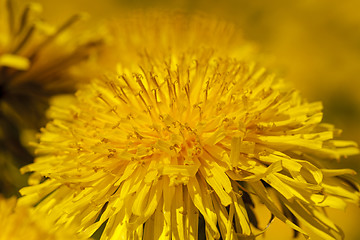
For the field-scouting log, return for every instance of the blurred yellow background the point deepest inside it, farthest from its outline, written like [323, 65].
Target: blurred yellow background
[314, 44]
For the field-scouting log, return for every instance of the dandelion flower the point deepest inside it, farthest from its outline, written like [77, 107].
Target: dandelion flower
[155, 150]
[22, 222]
[31, 66]
[32, 69]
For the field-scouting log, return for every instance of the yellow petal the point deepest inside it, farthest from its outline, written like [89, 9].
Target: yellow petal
[260, 191]
[219, 182]
[199, 194]
[178, 214]
[14, 61]
[317, 222]
[191, 217]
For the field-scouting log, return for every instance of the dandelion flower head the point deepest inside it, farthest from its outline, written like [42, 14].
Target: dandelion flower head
[181, 144]
[31, 66]
[37, 60]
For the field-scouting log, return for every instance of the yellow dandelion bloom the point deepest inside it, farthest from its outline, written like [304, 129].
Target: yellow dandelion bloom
[20, 222]
[37, 61]
[158, 150]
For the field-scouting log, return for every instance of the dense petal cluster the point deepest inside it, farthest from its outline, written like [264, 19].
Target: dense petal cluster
[17, 223]
[154, 148]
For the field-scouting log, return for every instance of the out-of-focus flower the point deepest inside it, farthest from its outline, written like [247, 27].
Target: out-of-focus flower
[35, 57]
[181, 143]
[19, 222]
[36, 62]
[159, 34]
[11, 179]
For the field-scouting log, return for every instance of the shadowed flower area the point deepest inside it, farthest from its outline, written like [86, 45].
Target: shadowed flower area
[36, 60]
[19, 222]
[183, 141]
